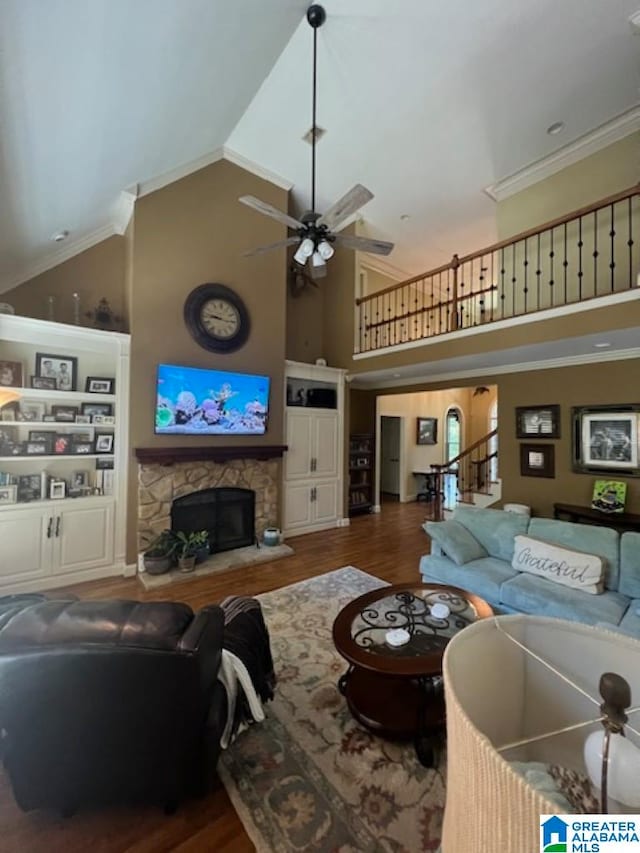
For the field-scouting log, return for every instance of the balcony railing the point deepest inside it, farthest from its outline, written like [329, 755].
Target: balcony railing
[585, 255]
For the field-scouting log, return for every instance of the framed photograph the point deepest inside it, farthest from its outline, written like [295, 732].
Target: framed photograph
[44, 383]
[62, 368]
[28, 488]
[41, 447]
[100, 385]
[103, 420]
[8, 440]
[104, 464]
[83, 419]
[605, 438]
[9, 412]
[42, 435]
[62, 443]
[79, 479]
[537, 460]
[65, 413]
[8, 494]
[57, 489]
[427, 431]
[104, 442]
[609, 495]
[10, 375]
[538, 421]
[93, 409]
[32, 411]
[84, 447]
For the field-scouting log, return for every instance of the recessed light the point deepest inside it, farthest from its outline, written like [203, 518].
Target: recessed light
[556, 127]
[60, 236]
[602, 345]
[404, 217]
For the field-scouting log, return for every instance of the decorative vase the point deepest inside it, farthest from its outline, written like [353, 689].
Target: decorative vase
[157, 565]
[202, 554]
[271, 536]
[187, 564]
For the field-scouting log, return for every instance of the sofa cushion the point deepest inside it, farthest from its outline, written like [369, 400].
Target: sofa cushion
[601, 541]
[456, 541]
[483, 577]
[493, 528]
[630, 623]
[557, 564]
[630, 564]
[531, 594]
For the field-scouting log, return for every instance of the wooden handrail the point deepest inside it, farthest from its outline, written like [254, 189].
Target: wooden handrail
[467, 451]
[630, 192]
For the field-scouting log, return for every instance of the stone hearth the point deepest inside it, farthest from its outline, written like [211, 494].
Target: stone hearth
[159, 485]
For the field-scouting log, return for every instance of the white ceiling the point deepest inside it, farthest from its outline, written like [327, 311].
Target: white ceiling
[424, 102]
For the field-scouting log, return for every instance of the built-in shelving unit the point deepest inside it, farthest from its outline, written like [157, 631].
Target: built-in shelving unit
[360, 473]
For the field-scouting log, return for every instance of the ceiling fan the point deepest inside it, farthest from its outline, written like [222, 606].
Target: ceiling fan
[315, 233]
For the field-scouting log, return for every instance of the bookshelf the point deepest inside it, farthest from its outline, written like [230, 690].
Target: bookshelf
[361, 457]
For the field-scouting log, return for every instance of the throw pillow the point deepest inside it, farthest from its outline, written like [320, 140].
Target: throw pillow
[455, 540]
[560, 565]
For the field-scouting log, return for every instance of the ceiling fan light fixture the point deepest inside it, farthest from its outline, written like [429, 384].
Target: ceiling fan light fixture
[304, 251]
[317, 260]
[325, 250]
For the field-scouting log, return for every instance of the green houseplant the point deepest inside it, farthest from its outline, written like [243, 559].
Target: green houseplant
[159, 555]
[188, 545]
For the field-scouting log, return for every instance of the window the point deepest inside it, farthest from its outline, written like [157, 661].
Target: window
[493, 442]
[453, 434]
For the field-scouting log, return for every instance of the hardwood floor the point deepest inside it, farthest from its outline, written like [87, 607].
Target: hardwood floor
[387, 545]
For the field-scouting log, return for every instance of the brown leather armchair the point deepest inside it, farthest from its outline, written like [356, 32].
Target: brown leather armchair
[109, 701]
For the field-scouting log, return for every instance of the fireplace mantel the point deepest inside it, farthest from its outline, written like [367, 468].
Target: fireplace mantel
[171, 455]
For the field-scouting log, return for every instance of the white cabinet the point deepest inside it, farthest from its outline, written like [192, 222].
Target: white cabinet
[313, 464]
[67, 442]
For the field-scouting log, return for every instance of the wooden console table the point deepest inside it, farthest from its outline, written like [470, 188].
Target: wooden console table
[620, 521]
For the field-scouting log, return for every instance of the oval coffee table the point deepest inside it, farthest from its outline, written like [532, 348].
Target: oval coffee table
[396, 692]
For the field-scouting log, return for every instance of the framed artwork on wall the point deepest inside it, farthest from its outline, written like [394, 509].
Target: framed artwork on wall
[427, 431]
[537, 460]
[606, 438]
[538, 421]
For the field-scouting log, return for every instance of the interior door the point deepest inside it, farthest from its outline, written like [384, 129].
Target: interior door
[390, 454]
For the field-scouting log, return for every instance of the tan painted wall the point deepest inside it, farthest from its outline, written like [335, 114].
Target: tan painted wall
[188, 233]
[95, 273]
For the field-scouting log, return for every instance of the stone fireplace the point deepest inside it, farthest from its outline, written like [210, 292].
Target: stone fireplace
[226, 513]
[168, 475]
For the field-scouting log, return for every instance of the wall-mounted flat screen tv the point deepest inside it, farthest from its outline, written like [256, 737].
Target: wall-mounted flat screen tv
[193, 401]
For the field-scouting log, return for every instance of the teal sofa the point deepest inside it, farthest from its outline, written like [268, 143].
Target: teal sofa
[510, 591]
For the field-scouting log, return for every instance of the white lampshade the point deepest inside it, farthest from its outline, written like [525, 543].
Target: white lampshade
[304, 251]
[317, 260]
[326, 250]
[623, 774]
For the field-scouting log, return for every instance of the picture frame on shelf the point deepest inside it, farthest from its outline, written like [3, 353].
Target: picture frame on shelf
[538, 421]
[93, 409]
[61, 444]
[104, 442]
[44, 383]
[83, 419]
[104, 464]
[32, 410]
[57, 489]
[65, 414]
[11, 374]
[82, 447]
[9, 494]
[62, 368]
[8, 440]
[80, 479]
[42, 435]
[29, 488]
[9, 413]
[537, 460]
[103, 420]
[37, 447]
[100, 385]
[606, 439]
[426, 431]
[48, 419]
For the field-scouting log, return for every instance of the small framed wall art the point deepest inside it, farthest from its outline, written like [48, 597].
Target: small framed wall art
[537, 460]
[606, 438]
[427, 431]
[538, 421]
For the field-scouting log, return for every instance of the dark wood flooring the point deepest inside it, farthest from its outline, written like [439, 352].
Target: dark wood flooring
[387, 545]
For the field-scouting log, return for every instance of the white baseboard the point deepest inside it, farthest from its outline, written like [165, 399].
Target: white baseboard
[376, 508]
[67, 579]
[343, 522]
[130, 570]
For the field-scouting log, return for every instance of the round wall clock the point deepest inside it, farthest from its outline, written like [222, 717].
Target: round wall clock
[217, 318]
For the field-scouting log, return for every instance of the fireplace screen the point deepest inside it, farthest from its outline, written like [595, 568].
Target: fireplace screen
[226, 513]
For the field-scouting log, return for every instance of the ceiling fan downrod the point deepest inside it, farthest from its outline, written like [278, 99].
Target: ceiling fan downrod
[316, 16]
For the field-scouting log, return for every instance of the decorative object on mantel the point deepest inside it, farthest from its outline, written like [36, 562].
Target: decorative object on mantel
[171, 455]
[104, 318]
[316, 234]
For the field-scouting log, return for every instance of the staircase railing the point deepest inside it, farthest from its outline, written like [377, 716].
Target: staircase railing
[584, 255]
[468, 472]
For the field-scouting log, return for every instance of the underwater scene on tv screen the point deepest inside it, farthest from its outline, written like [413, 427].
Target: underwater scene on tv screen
[192, 400]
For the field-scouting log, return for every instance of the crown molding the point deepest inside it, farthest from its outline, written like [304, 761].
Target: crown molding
[499, 370]
[371, 262]
[59, 256]
[608, 133]
[221, 153]
[123, 209]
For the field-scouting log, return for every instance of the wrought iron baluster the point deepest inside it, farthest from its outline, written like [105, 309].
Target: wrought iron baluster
[538, 271]
[612, 259]
[595, 253]
[494, 285]
[502, 271]
[525, 264]
[514, 297]
[580, 270]
[630, 243]
[565, 264]
[551, 266]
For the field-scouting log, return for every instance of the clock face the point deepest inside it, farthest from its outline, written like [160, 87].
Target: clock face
[220, 318]
[217, 318]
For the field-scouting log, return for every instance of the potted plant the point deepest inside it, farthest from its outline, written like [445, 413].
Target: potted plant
[188, 546]
[159, 556]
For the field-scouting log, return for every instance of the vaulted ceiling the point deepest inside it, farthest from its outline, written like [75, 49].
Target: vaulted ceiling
[424, 102]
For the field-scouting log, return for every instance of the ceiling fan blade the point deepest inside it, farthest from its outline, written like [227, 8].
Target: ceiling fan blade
[269, 210]
[356, 198]
[364, 244]
[262, 249]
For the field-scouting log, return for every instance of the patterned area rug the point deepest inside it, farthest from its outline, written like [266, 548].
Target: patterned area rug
[310, 778]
